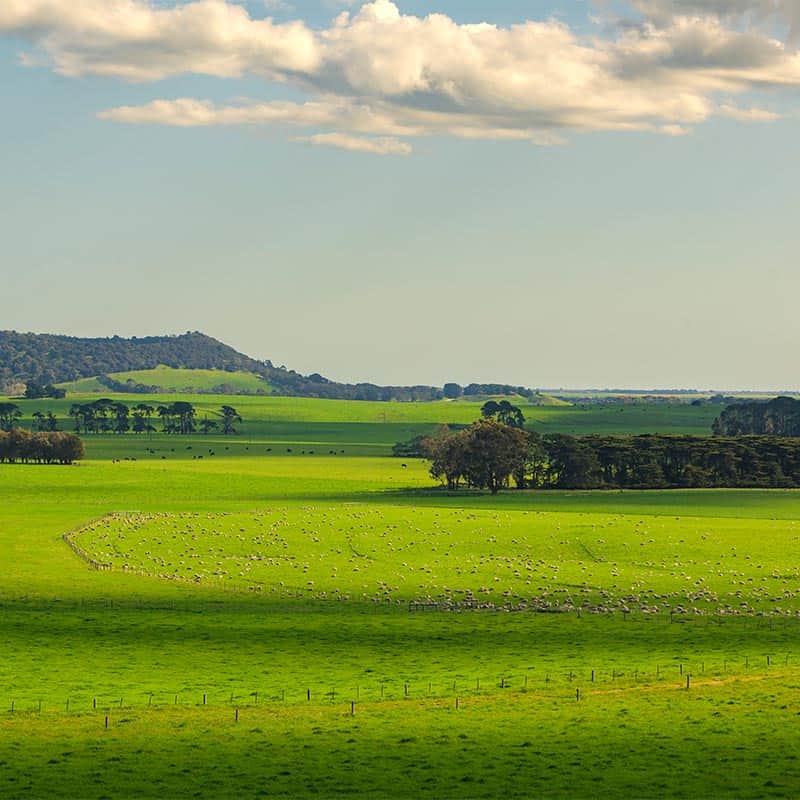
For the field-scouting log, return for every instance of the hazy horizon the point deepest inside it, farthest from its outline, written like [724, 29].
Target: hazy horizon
[662, 389]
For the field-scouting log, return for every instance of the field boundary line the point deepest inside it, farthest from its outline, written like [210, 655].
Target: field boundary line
[69, 539]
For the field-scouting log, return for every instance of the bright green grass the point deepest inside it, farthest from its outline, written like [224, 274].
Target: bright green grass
[72, 634]
[729, 739]
[178, 380]
[516, 558]
[374, 424]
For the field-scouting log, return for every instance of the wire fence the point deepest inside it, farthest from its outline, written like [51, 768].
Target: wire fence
[557, 685]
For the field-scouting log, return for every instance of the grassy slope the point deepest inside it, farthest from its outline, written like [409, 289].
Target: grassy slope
[175, 380]
[71, 633]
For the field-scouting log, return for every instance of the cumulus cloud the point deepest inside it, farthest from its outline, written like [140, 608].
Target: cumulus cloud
[137, 41]
[375, 76]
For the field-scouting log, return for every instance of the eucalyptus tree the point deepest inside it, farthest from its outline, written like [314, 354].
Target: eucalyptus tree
[9, 416]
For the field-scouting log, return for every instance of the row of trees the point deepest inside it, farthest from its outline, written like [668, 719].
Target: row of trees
[658, 461]
[777, 417]
[49, 447]
[453, 390]
[490, 455]
[110, 416]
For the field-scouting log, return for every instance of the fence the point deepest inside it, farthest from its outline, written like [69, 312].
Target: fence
[565, 686]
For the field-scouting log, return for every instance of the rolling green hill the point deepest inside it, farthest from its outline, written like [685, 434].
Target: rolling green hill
[171, 379]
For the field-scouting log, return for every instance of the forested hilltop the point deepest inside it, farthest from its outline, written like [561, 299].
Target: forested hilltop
[50, 359]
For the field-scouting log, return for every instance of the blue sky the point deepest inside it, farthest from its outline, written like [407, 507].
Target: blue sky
[596, 196]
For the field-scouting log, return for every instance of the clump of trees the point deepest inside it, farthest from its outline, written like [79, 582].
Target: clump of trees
[9, 416]
[45, 447]
[101, 416]
[37, 391]
[491, 455]
[777, 417]
[180, 417]
[504, 413]
[482, 456]
[45, 422]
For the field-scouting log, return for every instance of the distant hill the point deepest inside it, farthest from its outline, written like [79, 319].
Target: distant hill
[120, 364]
[48, 358]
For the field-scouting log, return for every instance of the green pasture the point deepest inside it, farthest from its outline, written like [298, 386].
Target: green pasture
[177, 380]
[291, 608]
[280, 425]
[297, 575]
[519, 559]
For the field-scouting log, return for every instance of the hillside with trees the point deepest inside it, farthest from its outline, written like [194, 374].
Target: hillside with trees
[44, 360]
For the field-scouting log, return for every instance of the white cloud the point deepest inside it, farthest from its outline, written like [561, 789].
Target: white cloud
[379, 73]
[137, 41]
[381, 146]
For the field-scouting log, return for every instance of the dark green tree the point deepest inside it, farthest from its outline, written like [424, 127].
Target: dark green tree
[207, 425]
[229, 419]
[505, 412]
[485, 455]
[9, 415]
[141, 414]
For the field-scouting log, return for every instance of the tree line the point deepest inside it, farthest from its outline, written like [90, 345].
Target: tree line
[109, 416]
[453, 391]
[777, 417]
[180, 417]
[45, 447]
[491, 455]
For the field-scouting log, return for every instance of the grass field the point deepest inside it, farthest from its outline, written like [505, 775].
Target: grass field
[292, 611]
[288, 425]
[194, 381]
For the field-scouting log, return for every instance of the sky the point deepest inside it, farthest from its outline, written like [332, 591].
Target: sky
[554, 194]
